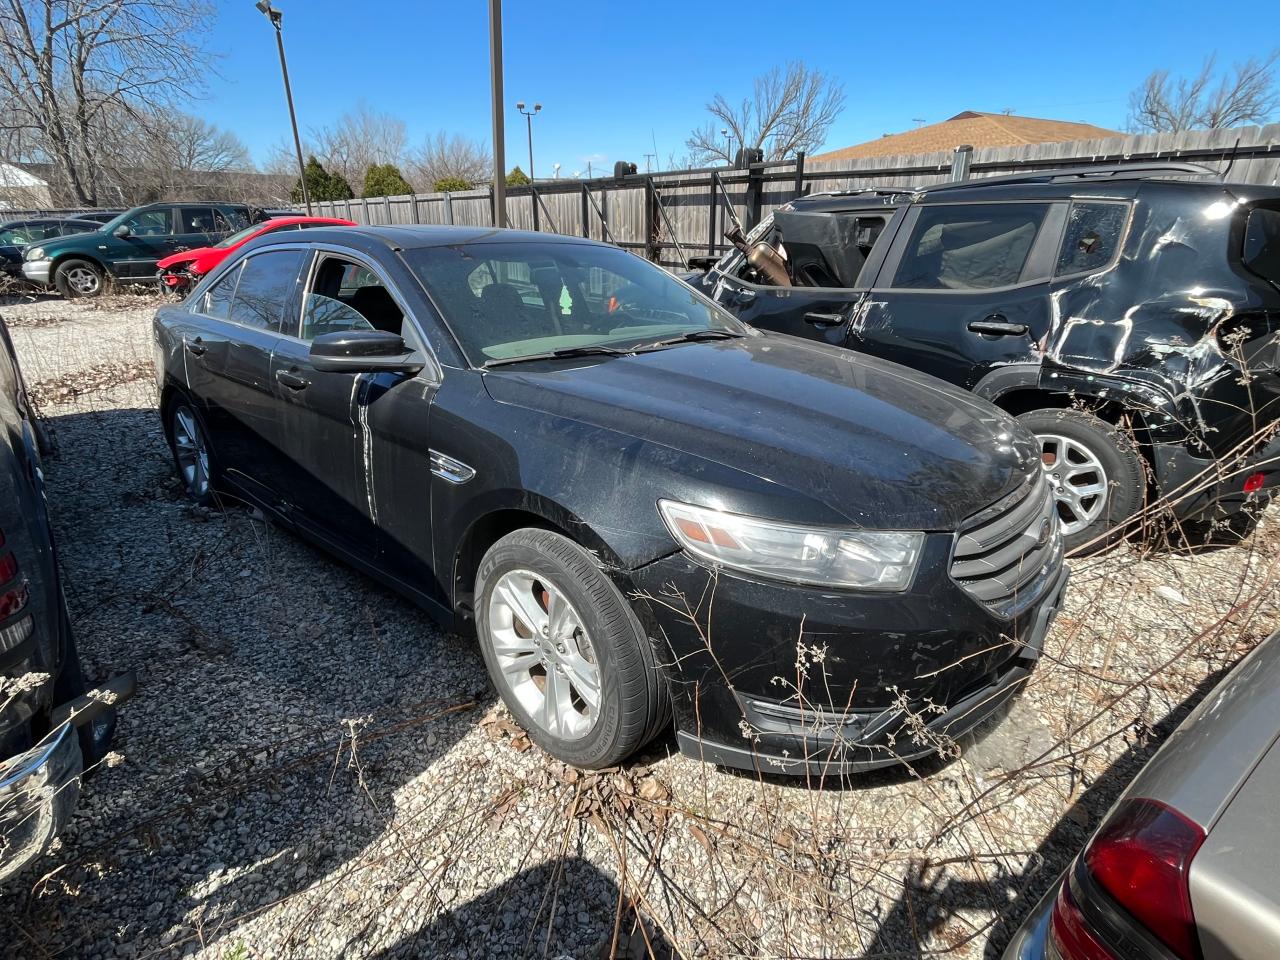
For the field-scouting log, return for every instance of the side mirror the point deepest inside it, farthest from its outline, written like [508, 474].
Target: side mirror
[364, 351]
[122, 231]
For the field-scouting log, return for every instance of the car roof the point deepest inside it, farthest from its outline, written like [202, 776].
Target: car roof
[1118, 180]
[418, 236]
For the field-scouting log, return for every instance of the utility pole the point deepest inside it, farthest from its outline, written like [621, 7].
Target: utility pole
[499, 125]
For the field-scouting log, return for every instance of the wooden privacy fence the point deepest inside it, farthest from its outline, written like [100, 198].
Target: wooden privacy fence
[668, 217]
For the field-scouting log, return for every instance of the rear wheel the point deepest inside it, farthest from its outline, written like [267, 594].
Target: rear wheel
[78, 278]
[190, 446]
[565, 650]
[1095, 471]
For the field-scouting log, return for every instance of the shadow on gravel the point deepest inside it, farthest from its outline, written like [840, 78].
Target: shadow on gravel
[527, 916]
[930, 897]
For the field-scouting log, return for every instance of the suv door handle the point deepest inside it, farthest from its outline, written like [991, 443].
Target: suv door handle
[196, 347]
[997, 326]
[292, 381]
[824, 319]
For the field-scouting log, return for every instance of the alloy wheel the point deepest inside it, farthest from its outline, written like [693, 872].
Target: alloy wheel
[1077, 478]
[83, 280]
[545, 658]
[191, 451]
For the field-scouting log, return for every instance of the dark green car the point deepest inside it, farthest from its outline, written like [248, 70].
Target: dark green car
[127, 247]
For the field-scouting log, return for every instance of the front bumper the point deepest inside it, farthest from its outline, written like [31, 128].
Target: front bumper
[37, 271]
[38, 791]
[793, 680]
[1196, 484]
[40, 786]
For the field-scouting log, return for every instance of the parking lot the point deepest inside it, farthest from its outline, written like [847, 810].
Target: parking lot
[311, 768]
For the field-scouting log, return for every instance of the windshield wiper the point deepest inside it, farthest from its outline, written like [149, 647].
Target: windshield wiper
[695, 336]
[583, 351]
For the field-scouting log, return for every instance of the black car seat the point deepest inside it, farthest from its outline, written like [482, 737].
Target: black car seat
[377, 306]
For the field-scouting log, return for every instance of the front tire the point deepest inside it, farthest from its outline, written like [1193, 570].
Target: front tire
[566, 652]
[1096, 473]
[79, 278]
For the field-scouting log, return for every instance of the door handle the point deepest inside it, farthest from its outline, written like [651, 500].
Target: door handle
[292, 380]
[997, 326]
[822, 320]
[196, 347]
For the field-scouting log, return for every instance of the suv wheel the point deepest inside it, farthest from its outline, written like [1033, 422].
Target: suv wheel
[1095, 471]
[565, 650]
[78, 278]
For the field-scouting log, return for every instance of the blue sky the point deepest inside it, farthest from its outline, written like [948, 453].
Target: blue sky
[616, 77]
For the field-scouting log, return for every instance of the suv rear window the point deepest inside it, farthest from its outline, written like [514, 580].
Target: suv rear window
[970, 246]
[1261, 252]
[1091, 238]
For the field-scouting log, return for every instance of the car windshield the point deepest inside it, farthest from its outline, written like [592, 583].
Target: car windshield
[506, 301]
[239, 235]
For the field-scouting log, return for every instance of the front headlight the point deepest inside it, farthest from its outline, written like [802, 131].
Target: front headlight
[826, 556]
[33, 253]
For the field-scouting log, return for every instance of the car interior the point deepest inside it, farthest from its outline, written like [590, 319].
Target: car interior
[978, 252]
[347, 296]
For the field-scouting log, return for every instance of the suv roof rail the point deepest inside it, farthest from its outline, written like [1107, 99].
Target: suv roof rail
[1115, 171]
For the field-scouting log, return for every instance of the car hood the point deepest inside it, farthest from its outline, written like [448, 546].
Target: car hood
[184, 256]
[882, 445]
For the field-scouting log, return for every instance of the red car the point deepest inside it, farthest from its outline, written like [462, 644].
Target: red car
[180, 271]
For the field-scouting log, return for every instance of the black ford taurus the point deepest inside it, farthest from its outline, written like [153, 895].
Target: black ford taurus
[818, 561]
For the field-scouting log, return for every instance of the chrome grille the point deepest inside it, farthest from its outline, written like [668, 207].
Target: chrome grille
[1006, 555]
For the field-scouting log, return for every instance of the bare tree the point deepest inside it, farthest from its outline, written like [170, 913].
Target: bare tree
[446, 156]
[69, 67]
[1248, 93]
[358, 140]
[789, 110]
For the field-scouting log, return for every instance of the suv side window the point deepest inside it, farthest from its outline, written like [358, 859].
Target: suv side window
[150, 223]
[266, 282]
[1092, 237]
[1261, 252]
[198, 220]
[966, 246]
[231, 219]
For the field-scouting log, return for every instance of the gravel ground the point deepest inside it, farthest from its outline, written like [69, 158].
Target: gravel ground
[312, 769]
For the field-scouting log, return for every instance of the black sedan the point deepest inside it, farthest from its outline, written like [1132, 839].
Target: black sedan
[817, 561]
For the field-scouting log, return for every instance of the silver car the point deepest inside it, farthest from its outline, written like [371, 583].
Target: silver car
[1186, 865]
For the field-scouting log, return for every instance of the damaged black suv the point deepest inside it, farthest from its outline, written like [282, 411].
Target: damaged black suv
[1129, 319]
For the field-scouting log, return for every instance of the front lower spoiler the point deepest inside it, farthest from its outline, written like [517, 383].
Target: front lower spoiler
[40, 786]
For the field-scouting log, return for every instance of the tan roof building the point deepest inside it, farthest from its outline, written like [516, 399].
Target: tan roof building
[976, 129]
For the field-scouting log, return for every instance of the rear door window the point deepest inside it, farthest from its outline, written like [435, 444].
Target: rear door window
[1092, 237]
[197, 220]
[266, 284]
[976, 246]
[1261, 252]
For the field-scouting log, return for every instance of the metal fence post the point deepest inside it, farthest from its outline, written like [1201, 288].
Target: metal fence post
[755, 194]
[652, 223]
[799, 173]
[586, 222]
[533, 201]
[448, 207]
[961, 161]
[712, 213]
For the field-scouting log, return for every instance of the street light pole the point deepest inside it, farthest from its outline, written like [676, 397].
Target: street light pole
[499, 132]
[277, 17]
[528, 119]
